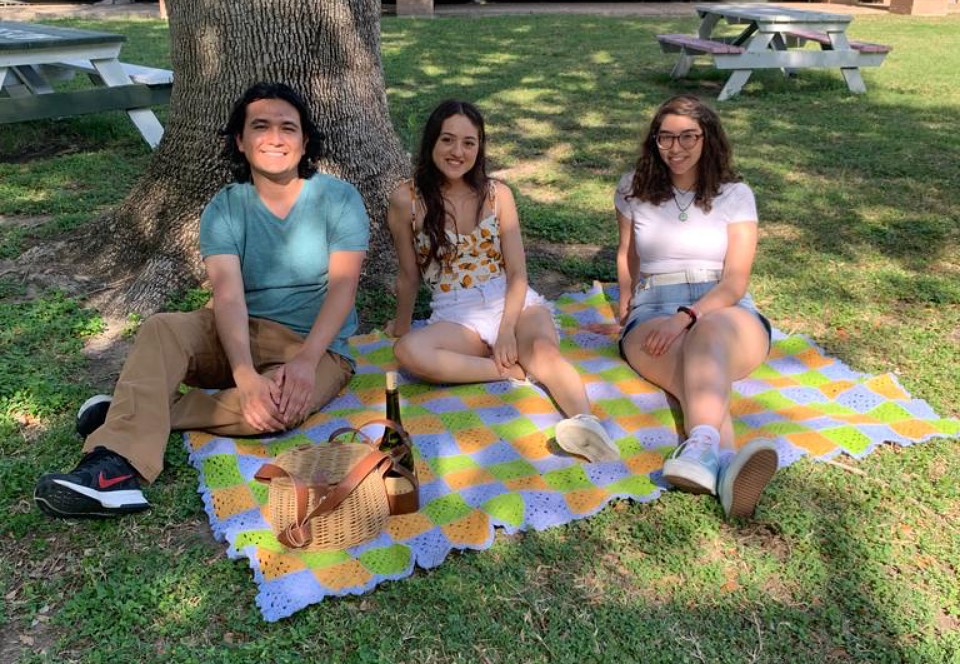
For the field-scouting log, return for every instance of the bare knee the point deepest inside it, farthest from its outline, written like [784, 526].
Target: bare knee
[403, 352]
[544, 354]
[410, 355]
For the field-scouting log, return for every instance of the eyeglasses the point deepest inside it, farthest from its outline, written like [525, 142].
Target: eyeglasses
[687, 140]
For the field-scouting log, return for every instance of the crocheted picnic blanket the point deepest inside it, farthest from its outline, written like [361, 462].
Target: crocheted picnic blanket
[486, 459]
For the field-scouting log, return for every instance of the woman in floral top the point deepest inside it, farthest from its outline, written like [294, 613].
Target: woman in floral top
[459, 230]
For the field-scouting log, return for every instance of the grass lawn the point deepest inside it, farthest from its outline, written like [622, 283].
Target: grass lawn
[860, 238]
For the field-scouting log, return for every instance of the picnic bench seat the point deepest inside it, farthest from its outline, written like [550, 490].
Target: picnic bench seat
[823, 39]
[138, 73]
[690, 45]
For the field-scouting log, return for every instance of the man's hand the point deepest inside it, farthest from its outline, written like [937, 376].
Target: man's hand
[259, 396]
[295, 381]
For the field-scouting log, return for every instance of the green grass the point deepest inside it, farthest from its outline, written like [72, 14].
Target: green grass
[859, 249]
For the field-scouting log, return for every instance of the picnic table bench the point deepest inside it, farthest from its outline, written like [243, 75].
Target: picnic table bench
[800, 37]
[32, 57]
[772, 38]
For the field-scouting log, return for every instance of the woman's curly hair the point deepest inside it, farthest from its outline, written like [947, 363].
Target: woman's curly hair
[651, 179]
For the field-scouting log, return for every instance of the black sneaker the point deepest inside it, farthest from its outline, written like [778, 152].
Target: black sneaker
[92, 414]
[103, 484]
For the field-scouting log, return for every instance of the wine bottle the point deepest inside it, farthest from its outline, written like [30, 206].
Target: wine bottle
[392, 438]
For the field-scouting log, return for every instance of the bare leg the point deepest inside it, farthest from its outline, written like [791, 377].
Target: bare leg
[539, 354]
[448, 353]
[700, 367]
[722, 347]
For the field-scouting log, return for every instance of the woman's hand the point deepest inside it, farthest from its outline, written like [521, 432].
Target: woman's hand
[610, 329]
[666, 331]
[505, 350]
[394, 330]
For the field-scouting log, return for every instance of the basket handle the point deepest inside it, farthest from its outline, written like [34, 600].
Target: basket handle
[396, 453]
[329, 496]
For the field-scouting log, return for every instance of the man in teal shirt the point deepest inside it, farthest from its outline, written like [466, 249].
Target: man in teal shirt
[282, 247]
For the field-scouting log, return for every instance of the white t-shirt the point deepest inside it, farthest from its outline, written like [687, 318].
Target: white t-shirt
[665, 244]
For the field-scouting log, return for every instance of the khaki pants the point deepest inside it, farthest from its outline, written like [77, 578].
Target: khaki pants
[175, 348]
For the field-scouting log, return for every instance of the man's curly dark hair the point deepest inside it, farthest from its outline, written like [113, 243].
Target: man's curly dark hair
[238, 116]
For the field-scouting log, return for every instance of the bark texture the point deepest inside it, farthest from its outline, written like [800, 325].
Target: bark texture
[329, 50]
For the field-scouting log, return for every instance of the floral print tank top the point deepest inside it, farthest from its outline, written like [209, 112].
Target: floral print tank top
[478, 257]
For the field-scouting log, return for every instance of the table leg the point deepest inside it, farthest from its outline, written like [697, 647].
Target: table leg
[757, 44]
[34, 81]
[146, 122]
[707, 24]
[839, 42]
[684, 62]
[682, 68]
[735, 83]
[779, 44]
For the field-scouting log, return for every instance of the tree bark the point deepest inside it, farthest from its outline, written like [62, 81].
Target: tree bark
[328, 50]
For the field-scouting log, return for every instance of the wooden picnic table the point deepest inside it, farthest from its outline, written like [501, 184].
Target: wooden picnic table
[33, 56]
[770, 39]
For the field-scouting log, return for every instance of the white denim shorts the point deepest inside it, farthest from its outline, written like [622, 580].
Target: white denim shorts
[479, 308]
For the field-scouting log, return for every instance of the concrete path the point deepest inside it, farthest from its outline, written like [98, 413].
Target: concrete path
[15, 10]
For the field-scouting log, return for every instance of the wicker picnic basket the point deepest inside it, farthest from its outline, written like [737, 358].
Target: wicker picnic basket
[338, 494]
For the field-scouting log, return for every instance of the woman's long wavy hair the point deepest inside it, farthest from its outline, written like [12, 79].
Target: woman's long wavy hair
[651, 180]
[429, 180]
[239, 165]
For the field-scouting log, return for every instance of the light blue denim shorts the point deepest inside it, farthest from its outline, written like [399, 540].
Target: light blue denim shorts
[657, 301]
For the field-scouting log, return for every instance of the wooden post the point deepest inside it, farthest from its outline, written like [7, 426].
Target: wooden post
[919, 7]
[414, 7]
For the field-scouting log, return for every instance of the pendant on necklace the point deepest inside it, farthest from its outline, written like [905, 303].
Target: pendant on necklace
[682, 208]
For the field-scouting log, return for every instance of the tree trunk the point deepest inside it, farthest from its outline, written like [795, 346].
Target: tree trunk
[329, 50]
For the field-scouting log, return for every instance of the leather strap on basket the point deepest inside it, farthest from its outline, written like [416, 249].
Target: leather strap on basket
[328, 498]
[397, 453]
[403, 503]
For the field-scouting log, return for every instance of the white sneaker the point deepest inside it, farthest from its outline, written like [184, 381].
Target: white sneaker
[693, 466]
[584, 436]
[744, 478]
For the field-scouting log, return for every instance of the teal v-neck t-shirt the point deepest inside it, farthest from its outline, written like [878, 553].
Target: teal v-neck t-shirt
[285, 262]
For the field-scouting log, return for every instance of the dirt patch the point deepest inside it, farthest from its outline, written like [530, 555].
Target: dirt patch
[552, 283]
[26, 222]
[106, 353]
[42, 267]
[46, 151]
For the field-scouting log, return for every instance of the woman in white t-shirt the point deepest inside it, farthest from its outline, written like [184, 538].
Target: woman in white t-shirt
[688, 234]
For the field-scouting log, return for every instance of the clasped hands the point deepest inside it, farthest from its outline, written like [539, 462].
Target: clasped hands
[280, 399]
